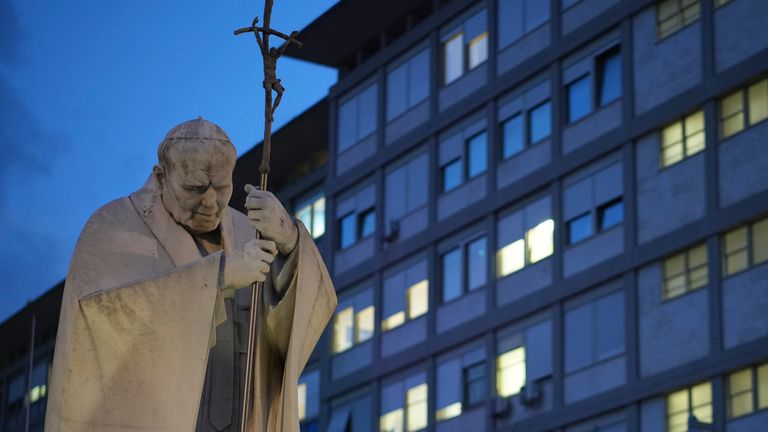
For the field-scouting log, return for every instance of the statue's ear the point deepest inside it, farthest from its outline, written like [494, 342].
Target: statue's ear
[159, 174]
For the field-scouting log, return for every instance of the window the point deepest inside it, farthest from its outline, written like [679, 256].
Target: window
[594, 332]
[745, 107]
[609, 76]
[312, 214]
[454, 172]
[525, 236]
[672, 15]
[519, 17]
[582, 98]
[516, 137]
[461, 383]
[682, 139]
[408, 84]
[748, 391]
[745, 246]
[685, 272]
[470, 257]
[309, 396]
[406, 189]
[465, 47]
[404, 405]
[354, 321]
[693, 401]
[357, 117]
[594, 204]
[510, 372]
[405, 296]
[355, 227]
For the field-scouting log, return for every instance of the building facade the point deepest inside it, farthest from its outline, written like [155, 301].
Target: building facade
[540, 215]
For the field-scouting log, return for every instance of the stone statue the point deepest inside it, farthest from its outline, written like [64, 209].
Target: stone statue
[153, 324]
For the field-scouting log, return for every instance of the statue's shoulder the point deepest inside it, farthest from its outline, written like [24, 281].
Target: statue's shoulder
[114, 215]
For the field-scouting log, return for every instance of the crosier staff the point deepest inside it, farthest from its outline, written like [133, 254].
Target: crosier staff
[271, 84]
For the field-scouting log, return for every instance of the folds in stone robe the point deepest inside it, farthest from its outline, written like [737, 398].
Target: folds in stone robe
[139, 314]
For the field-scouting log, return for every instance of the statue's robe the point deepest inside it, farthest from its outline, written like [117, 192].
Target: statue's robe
[140, 311]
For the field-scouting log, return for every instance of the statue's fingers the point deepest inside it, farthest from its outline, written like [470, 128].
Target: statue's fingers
[255, 203]
[268, 246]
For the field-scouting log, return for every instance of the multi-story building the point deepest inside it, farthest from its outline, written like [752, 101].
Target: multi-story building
[540, 215]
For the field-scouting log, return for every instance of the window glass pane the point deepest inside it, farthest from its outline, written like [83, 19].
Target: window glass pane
[343, 330]
[347, 231]
[762, 386]
[393, 321]
[539, 241]
[318, 217]
[579, 99]
[609, 326]
[611, 214]
[510, 26]
[701, 402]
[418, 299]
[536, 14]
[609, 73]
[418, 78]
[453, 58]
[740, 393]
[448, 412]
[397, 91]
[579, 337]
[511, 258]
[477, 269]
[674, 276]
[478, 50]
[672, 144]
[416, 415]
[694, 133]
[579, 228]
[474, 384]
[364, 321]
[367, 109]
[758, 102]
[367, 223]
[347, 124]
[760, 242]
[732, 115]
[478, 155]
[512, 135]
[304, 214]
[452, 275]
[510, 372]
[697, 266]
[452, 175]
[392, 421]
[736, 257]
[677, 411]
[691, 11]
[302, 391]
[540, 120]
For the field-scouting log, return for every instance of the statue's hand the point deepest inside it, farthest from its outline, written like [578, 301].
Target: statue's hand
[269, 217]
[249, 264]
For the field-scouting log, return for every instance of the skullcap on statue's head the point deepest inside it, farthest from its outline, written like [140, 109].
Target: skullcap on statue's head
[199, 130]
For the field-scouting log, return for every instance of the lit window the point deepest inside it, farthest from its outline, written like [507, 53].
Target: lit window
[740, 393]
[302, 400]
[745, 246]
[579, 228]
[364, 324]
[579, 99]
[536, 245]
[452, 175]
[343, 330]
[453, 58]
[416, 412]
[392, 421]
[682, 139]
[609, 76]
[470, 257]
[685, 272]
[449, 411]
[477, 153]
[695, 401]
[312, 215]
[672, 15]
[354, 321]
[510, 372]
[418, 299]
[742, 108]
[478, 50]
[758, 102]
[732, 114]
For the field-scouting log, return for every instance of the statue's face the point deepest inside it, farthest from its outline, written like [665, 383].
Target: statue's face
[198, 187]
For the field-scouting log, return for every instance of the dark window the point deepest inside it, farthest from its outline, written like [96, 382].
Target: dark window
[579, 228]
[477, 152]
[610, 214]
[540, 122]
[465, 268]
[367, 223]
[579, 99]
[347, 231]
[519, 17]
[512, 136]
[357, 117]
[408, 84]
[474, 384]
[452, 274]
[609, 76]
[478, 273]
[452, 175]
[310, 427]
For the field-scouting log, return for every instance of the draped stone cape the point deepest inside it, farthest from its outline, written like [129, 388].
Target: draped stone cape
[137, 319]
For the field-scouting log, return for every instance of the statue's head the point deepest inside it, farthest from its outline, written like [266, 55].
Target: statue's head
[194, 172]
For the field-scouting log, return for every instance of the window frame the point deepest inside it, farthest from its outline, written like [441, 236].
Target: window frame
[686, 273]
[526, 127]
[685, 136]
[311, 201]
[749, 248]
[524, 28]
[406, 63]
[405, 315]
[690, 407]
[466, 402]
[678, 16]
[593, 75]
[353, 299]
[463, 248]
[457, 29]
[464, 163]
[594, 215]
[354, 96]
[745, 112]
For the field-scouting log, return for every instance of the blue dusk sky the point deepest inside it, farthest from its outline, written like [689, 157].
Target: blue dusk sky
[88, 89]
